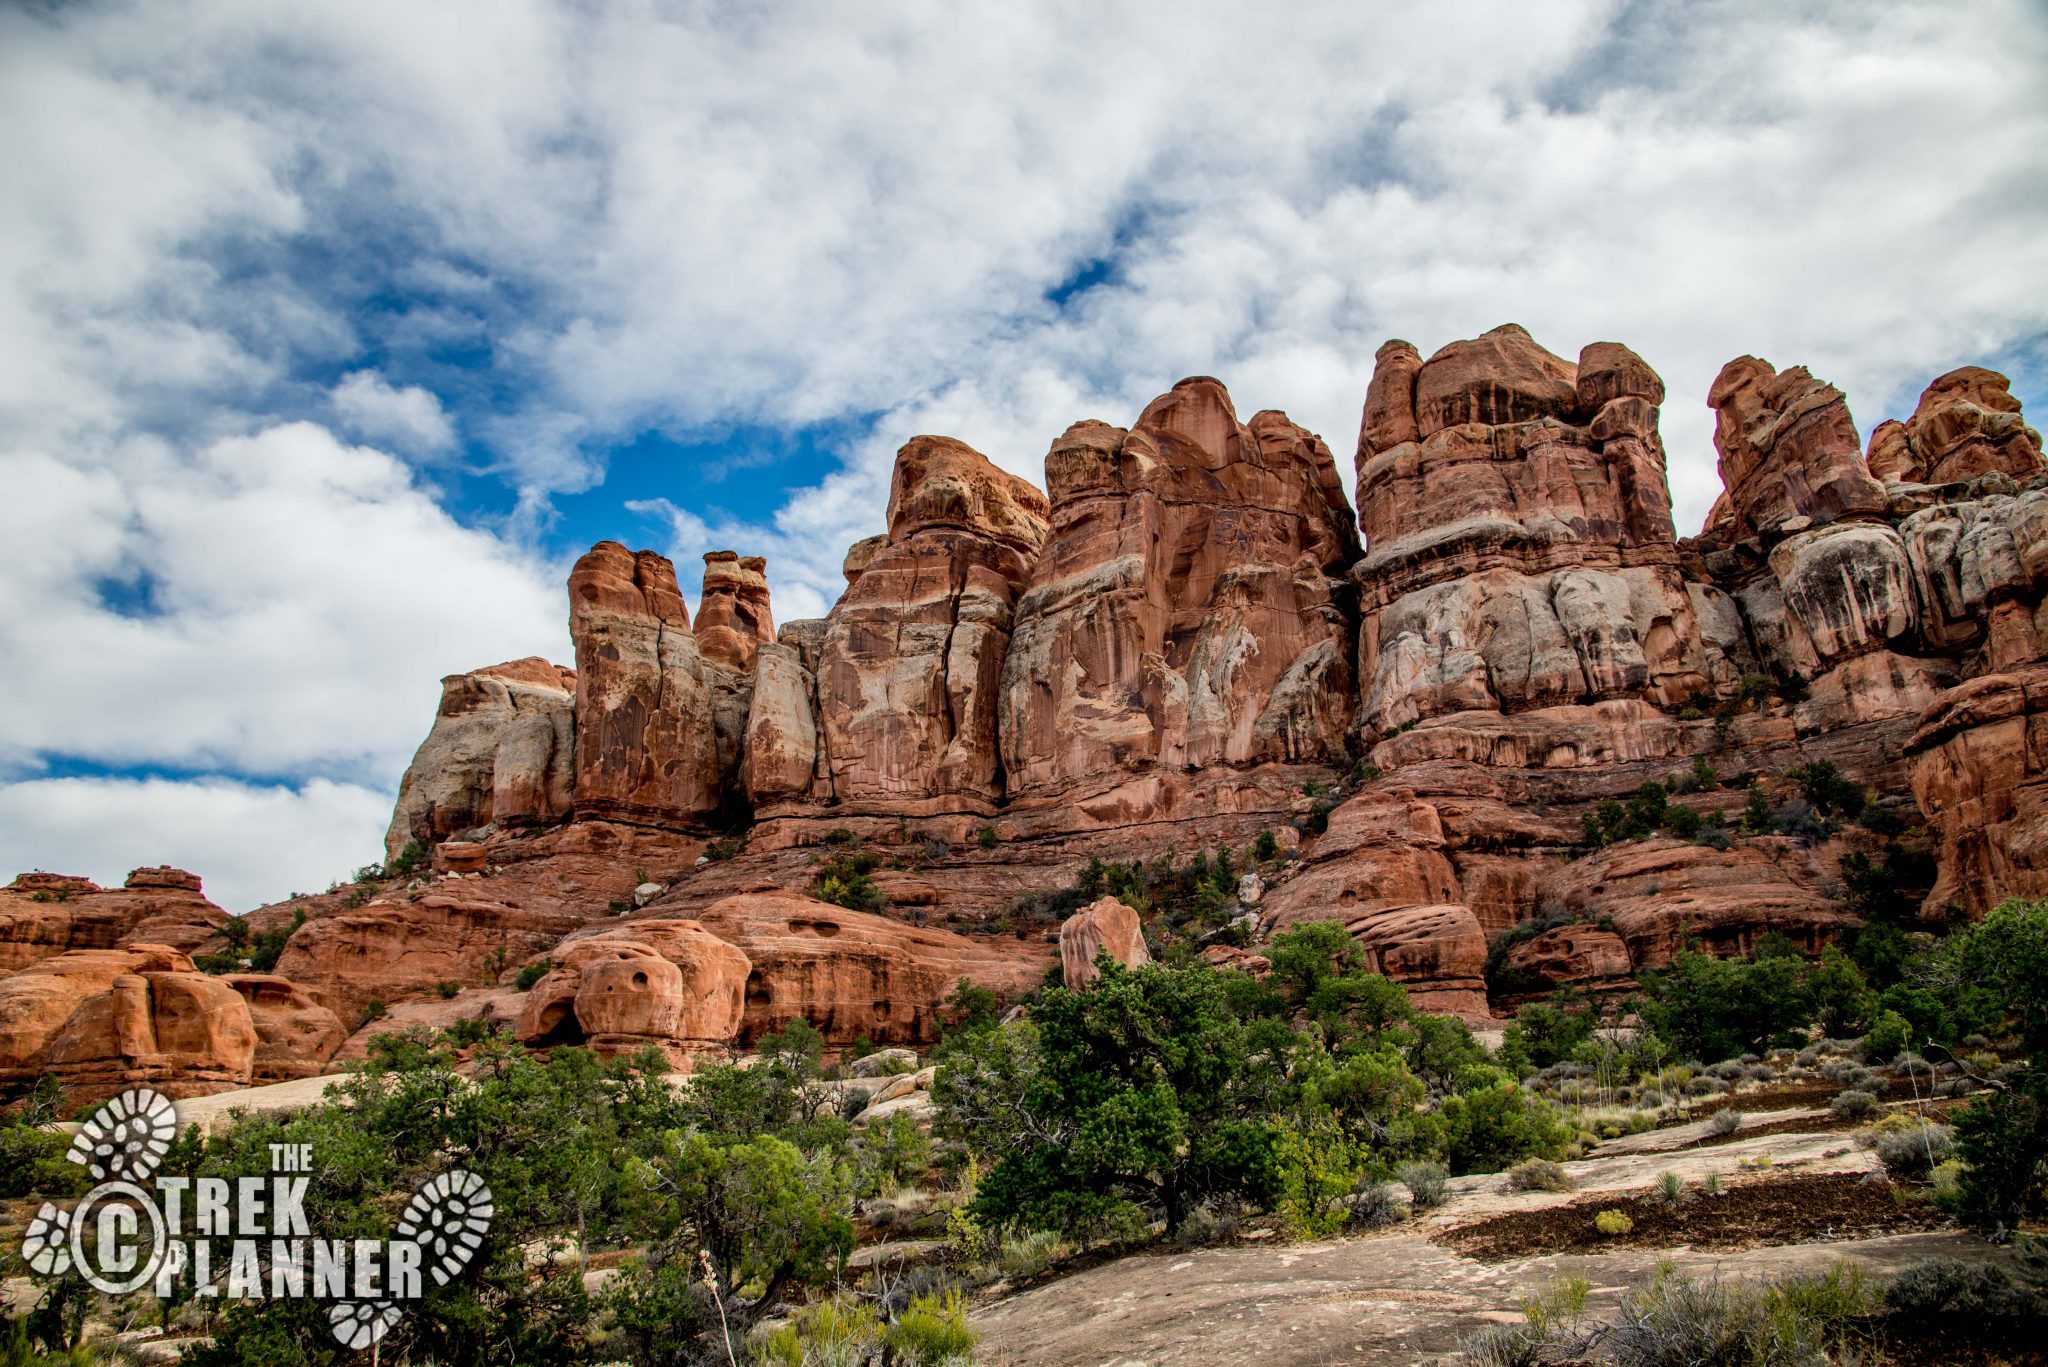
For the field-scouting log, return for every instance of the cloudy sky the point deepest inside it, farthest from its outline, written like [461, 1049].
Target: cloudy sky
[329, 333]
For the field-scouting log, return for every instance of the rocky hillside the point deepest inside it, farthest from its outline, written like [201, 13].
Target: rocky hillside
[1455, 720]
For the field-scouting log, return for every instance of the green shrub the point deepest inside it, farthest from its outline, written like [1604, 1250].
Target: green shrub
[447, 988]
[533, 973]
[1888, 1035]
[409, 860]
[837, 1330]
[1914, 1151]
[1490, 1127]
[987, 838]
[1828, 791]
[1319, 1167]
[1951, 1287]
[1724, 1122]
[1538, 1174]
[1855, 1104]
[1757, 817]
[1613, 1223]
[843, 881]
[1266, 847]
[933, 1331]
[1428, 1183]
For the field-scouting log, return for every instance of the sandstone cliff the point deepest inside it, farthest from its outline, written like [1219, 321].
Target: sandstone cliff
[1187, 642]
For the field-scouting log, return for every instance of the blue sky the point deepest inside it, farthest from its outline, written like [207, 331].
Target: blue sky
[330, 334]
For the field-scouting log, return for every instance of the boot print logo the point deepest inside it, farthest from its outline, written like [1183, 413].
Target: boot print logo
[247, 1239]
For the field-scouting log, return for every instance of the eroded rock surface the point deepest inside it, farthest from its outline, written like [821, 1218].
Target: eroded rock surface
[1103, 926]
[1519, 547]
[1966, 424]
[1184, 613]
[100, 1020]
[45, 914]
[646, 735]
[912, 655]
[853, 974]
[733, 616]
[501, 752]
[1980, 772]
[1788, 449]
[668, 984]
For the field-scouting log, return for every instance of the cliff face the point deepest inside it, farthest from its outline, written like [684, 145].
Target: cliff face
[1185, 615]
[1188, 639]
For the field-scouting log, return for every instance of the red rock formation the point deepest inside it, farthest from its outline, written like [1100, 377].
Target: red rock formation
[1584, 956]
[1518, 532]
[1183, 614]
[1980, 773]
[1105, 925]
[1979, 570]
[1789, 454]
[1966, 424]
[646, 739]
[733, 617]
[912, 655]
[1383, 871]
[852, 974]
[501, 753]
[1662, 895]
[100, 1020]
[295, 1034]
[667, 984]
[459, 930]
[782, 764]
[44, 914]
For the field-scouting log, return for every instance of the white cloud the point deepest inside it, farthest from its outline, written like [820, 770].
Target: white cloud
[408, 417]
[275, 604]
[250, 844]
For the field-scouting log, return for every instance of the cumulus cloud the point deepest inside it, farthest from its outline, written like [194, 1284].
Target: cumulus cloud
[250, 844]
[235, 235]
[276, 604]
[408, 417]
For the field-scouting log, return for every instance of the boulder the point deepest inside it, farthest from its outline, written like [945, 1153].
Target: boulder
[733, 616]
[1966, 425]
[669, 984]
[1662, 895]
[295, 1034]
[459, 930]
[1788, 451]
[883, 1063]
[1979, 569]
[501, 752]
[1382, 869]
[646, 735]
[1183, 614]
[1572, 955]
[782, 764]
[1847, 590]
[1103, 926]
[103, 1020]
